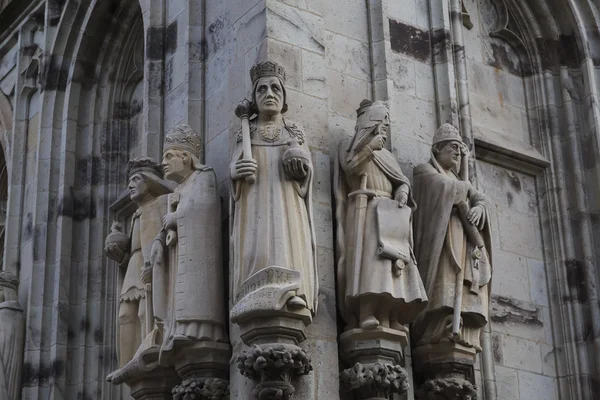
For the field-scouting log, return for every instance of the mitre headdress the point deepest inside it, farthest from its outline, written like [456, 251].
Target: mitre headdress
[183, 137]
[446, 133]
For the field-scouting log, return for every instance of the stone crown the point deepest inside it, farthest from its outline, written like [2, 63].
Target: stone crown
[144, 164]
[266, 69]
[446, 133]
[8, 279]
[183, 137]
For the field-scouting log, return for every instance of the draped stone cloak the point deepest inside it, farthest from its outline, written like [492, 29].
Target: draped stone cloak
[441, 247]
[146, 223]
[12, 336]
[405, 291]
[272, 218]
[190, 281]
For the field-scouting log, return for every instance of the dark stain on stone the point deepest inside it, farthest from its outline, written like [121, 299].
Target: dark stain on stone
[84, 73]
[88, 171]
[506, 310]
[155, 43]
[77, 205]
[37, 375]
[509, 60]
[38, 244]
[440, 43]
[84, 325]
[588, 155]
[98, 336]
[410, 41]
[497, 349]
[576, 281]
[28, 234]
[55, 8]
[514, 181]
[55, 77]
[216, 39]
[171, 38]
[509, 199]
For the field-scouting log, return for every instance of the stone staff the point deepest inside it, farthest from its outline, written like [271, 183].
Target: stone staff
[242, 111]
[460, 275]
[362, 198]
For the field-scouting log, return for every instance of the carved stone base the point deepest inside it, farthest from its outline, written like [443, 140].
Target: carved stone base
[202, 389]
[155, 385]
[376, 358]
[274, 367]
[204, 367]
[445, 372]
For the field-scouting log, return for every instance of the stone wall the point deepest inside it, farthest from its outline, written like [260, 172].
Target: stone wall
[88, 84]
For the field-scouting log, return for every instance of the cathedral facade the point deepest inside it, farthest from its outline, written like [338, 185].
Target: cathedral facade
[93, 92]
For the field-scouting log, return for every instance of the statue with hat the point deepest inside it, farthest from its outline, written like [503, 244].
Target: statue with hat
[378, 280]
[132, 251]
[272, 239]
[12, 337]
[185, 264]
[453, 246]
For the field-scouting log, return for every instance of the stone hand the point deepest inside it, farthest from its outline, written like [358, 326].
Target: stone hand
[146, 275]
[297, 168]
[377, 143]
[402, 198]
[244, 168]
[475, 214]
[170, 221]
[113, 252]
[156, 254]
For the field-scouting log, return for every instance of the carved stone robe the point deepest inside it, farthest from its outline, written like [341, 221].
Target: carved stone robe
[442, 249]
[188, 293]
[404, 291]
[272, 223]
[12, 336]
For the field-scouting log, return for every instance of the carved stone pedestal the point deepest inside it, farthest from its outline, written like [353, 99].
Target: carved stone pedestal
[376, 358]
[445, 372]
[155, 385]
[204, 368]
[275, 358]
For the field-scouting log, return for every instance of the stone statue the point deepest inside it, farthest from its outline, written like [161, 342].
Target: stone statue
[452, 246]
[272, 241]
[146, 190]
[378, 279]
[12, 336]
[185, 265]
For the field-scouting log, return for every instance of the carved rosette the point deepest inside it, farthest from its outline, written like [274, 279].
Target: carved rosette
[274, 367]
[447, 389]
[202, 389]
[375, 380]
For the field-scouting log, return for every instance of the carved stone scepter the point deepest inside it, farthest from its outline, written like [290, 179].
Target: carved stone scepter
[242, 111]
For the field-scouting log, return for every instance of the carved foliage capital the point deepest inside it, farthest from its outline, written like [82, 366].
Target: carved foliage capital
[202, 389]
[259, 362]
[381, 380]
[447, 389]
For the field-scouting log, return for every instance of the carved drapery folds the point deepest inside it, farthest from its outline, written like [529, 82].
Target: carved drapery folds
[12, 337]
[274, 276]
[453, 248]
[174, 274]
[380, 289]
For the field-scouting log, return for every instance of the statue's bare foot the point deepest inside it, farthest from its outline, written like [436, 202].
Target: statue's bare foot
[296, 303]
[398, 327]
[369, 323]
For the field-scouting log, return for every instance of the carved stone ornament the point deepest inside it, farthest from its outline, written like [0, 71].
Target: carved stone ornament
[271, 177]
[375, 380]
[447, 389]
[453, 226]
[274, 368]
[378, 279]
[131, 251]
[202, 389]
[12, 337]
